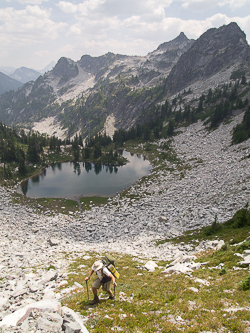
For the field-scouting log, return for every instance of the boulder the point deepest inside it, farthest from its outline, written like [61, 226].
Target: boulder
[20, 315]
[4, 303]
[70, 316]
[72, 327]
[48, 326]
[20, 292]
[150, 266]
[246, 261]
[195, 290]
[178, 268]
[51, 275]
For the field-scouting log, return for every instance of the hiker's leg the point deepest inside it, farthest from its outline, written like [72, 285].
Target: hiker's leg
[110, 293]
[95, 287]
[94, 290]
[106, 287]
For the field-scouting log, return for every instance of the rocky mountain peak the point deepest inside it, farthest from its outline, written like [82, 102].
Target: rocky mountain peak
[213, 51]
[94, 64]
[179, 41]
[66, 69]
[227, 36]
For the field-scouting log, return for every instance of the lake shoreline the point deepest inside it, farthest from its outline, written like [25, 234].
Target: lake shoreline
[105, 182]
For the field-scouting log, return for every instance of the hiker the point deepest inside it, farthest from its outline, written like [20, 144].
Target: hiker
[104, 277]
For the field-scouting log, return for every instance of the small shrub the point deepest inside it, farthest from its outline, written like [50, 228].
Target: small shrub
[223, 271]
[214, 228]
[237, 74]
[171, 298]
[245, 284]
[50, 267]
[244, 246]
[148, 147]
[224, 247]
[234, 241]
[240, 219]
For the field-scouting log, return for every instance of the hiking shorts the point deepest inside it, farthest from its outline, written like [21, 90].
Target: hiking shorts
[105, 286]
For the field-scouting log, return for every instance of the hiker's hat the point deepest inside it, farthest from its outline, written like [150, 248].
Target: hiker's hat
[97, 265]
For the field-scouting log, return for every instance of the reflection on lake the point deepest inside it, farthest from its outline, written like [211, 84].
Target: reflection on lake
[62, 180]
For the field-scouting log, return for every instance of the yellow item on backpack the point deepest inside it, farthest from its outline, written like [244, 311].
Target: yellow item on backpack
[113, 271]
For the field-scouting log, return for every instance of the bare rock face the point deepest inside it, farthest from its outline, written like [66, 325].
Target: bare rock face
[66, 69]
[215, 50]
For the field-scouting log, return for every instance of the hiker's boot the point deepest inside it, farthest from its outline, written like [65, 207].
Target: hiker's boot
[94, 301]
[112, 297]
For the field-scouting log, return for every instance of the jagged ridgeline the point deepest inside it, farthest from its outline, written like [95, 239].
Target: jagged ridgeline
[81, 95]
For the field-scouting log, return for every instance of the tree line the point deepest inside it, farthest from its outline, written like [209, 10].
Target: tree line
[215, 107]
[241, 132]
[22, 149]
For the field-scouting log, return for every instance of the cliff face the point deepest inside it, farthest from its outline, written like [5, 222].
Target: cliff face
[80, 95]
[215, 50]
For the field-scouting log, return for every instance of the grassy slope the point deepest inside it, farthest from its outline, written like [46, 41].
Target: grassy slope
[165, 303]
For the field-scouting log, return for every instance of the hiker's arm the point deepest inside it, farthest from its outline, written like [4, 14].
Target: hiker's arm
[88, 277]
[113, 279]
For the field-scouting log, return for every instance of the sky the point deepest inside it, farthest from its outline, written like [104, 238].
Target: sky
[35, 32]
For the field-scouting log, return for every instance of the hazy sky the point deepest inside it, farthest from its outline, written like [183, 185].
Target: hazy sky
[35, 32]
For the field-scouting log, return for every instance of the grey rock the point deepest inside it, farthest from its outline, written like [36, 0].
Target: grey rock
[72, 327]
[33, 288]
[54, 241]
[151, 266]
[70, 315]
[4, 303]
[54, 317]
[78, 285]
[51, 275]
[19, 293]
[48, 326]
[246, 261]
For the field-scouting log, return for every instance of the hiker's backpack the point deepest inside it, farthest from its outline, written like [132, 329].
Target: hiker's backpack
[110, 265]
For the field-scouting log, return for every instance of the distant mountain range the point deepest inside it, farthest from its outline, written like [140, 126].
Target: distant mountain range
[22, 75]
[79, 96]
[7, 70]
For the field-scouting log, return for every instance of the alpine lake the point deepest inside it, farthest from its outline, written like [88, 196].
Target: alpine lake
[85, 179]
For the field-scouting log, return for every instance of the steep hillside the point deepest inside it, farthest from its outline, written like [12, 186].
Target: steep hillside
[198, 179]
[80, 96]
[7, 83]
